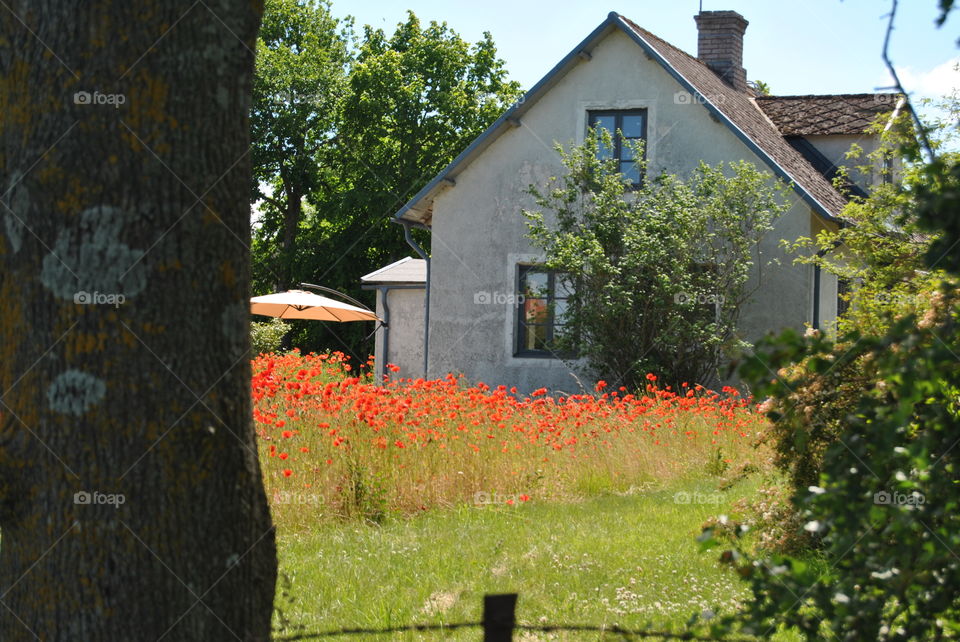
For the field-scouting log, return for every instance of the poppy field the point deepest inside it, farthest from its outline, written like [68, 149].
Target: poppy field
[334, 445]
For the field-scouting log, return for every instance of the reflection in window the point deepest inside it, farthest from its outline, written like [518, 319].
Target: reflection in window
[624, 127]
[542, 315]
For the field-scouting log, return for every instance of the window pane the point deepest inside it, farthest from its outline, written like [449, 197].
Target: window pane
[560, 307]
[534, 337]
[630, 172]
[535, 311]
[559, 332]
[627, 153]
[607, 122]
[632, 126]
[534, 284]
[563, 285]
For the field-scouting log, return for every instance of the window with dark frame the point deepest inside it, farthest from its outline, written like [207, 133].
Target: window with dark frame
[540, 318]
[843, 296]
[628, 126]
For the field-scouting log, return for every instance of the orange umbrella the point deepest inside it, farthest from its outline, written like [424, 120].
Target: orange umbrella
[299, 304]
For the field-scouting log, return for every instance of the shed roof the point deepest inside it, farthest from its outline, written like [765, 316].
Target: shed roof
[406, 271]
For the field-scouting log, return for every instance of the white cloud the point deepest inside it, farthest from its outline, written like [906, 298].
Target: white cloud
[940, 81]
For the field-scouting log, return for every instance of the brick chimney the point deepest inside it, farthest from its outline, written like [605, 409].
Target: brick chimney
[720, 45]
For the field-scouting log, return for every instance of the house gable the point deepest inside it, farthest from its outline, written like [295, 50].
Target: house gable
[738, 111]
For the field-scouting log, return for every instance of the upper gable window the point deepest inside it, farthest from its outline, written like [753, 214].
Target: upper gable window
[624, 126]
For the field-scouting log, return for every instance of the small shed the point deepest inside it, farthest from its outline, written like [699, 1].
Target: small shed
[401, 303]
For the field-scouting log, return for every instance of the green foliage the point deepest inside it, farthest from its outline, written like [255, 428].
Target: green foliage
[761, 87]
[376, 118]
[884, 509]
[267, 336]
[300, 81]
[665, 264]
[880, 248]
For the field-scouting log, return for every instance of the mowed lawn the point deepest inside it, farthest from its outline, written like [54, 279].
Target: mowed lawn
[629, 560]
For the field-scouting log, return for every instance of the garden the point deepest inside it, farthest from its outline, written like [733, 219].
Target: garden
[404, 503]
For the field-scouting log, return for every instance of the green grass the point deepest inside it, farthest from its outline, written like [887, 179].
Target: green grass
[629, 560]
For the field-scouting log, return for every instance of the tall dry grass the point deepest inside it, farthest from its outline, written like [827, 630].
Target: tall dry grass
[334, 445]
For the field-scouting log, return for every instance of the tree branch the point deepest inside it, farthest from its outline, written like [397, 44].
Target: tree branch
[921, 129]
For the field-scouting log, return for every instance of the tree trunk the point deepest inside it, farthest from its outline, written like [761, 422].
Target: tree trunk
[291, 226]
[132, 506]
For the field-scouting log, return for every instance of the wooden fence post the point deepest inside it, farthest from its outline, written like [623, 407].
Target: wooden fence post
[499, 617]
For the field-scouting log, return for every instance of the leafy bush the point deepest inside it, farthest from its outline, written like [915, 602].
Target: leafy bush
[881, 249]
[657, 272]
[885, 509]
[266, 336]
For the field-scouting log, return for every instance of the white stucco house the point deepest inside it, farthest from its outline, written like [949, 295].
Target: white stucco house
[456, 310]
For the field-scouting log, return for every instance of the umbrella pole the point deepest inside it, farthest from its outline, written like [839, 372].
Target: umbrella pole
[339, 294]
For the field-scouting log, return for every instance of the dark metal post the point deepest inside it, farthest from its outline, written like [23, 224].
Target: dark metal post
[499, 617]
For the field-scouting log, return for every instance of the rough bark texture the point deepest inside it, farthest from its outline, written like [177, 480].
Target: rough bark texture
[135, 188]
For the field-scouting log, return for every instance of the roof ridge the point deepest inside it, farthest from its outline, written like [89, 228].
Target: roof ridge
[751, 124]
[726, 104]
[808, 96]
[766, 116]
[654, 36]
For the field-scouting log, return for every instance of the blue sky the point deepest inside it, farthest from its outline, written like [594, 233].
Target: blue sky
[806, 47]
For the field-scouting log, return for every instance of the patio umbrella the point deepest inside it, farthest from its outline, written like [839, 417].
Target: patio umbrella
[299, 304]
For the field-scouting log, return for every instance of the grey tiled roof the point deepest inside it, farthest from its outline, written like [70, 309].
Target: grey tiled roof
[745, 114]
[826, 115]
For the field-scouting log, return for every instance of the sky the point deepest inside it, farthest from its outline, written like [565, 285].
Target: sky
[795, 46]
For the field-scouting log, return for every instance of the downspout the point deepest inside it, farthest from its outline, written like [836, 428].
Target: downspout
[384, 291]
[426, 305]
[816, 297]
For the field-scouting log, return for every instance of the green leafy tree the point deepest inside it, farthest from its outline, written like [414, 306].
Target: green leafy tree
[301, 75]
[658, 272]
[344, 133]
[267, 336]
[880, 249]
[885, 509]
[414, 100]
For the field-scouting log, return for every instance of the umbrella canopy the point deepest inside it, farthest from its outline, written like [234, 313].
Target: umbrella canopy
[299, 304]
